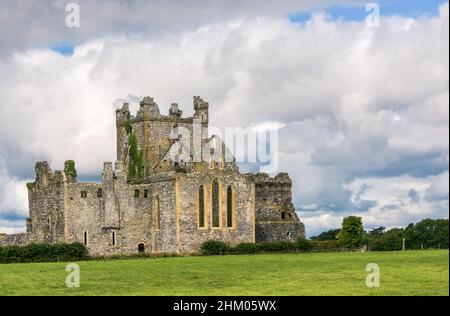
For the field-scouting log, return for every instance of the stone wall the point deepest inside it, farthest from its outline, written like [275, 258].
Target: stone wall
[115, 221]
[242, 229]
[276, 219]
[14, 239]
[46, 204]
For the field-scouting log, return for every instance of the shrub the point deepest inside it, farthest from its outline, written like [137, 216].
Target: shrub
[245, 248]
[325, 246]
[303, 245]
[43, 252]
[214, 247]
[281, 246]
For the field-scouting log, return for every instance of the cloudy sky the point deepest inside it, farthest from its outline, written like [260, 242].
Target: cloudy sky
[362, 108]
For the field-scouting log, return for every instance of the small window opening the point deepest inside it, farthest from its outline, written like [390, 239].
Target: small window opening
[136, 193]
[83, 194]
[99, 193]
[145, 193]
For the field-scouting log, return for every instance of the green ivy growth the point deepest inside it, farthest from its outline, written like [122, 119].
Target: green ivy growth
[136, 157]
[128, 127]
[69, 169]
[30, 185]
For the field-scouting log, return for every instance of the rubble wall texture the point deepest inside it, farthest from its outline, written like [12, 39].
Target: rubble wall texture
[276, 219]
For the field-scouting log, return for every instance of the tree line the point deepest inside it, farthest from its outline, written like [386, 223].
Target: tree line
[426, 234]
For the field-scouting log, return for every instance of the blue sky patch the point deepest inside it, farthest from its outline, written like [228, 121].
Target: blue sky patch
[412, 8]
[64, 48]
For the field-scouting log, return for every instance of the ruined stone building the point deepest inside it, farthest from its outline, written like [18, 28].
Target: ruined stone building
[157, 198]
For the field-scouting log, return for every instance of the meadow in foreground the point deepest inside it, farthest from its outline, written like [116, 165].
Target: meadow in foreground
[402, 273]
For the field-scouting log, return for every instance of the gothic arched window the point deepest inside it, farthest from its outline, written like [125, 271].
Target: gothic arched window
[230, 206]
[201, 206]
[215, 204]
[157, 215]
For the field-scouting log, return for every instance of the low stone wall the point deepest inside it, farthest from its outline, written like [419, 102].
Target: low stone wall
[14, 239]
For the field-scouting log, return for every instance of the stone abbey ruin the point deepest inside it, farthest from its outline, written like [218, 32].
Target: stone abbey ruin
[157, 198]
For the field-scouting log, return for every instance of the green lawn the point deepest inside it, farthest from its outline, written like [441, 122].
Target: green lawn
[402, 273]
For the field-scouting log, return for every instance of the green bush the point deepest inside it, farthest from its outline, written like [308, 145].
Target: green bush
[43, 252]
[214, 247]
[281, 246]
[303, 244]
[245, 248]
[325, 246]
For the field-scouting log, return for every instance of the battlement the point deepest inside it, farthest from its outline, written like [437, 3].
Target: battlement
[149, 111]
[264, 179]
[199, 103]
[143, 139]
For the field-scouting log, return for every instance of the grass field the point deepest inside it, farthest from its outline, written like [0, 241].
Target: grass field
[402, 273]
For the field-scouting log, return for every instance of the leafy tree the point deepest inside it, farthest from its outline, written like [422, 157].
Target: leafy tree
[427, 233]
[390, 240]
[378, 231]
[440, 238]
[327, 235]
[352, 234]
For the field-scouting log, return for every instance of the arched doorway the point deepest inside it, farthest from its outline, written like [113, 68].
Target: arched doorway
[141, 248]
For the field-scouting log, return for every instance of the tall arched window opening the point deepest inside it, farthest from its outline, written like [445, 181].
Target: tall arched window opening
[201, 206]
[215, 204]
[230, 206]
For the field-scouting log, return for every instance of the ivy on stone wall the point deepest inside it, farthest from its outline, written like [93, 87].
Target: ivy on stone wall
[128, 127]
[136, 157]
[69, 169]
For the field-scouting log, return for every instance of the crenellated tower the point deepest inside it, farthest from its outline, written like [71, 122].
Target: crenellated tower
[144, 139]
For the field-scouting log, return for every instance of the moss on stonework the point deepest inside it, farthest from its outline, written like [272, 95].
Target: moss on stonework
[69, 169]
[30, 185]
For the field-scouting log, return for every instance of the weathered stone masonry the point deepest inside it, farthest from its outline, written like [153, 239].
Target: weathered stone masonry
[168, 206]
